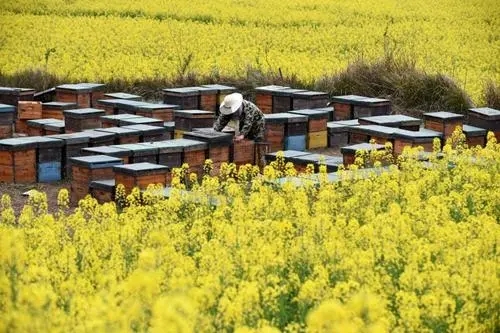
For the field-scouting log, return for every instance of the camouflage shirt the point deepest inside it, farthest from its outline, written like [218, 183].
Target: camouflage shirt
[252, 123]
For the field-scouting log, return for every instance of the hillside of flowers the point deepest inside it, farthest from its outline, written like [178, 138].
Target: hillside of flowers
[102, 40]
[413, 247]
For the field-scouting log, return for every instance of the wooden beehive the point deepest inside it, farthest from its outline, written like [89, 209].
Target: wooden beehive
[114, 120]
[349, 152]
[85, 95]
[35, 126]
[222, 91]
[242, 152]
[56, 109]
[317, 139]
[332, 163]
[338, 132]
[141, 121]
[187, 120]
[20, 126]
[122, 95]
[354, 106]
[282, 99]
[12, 95]
[194, 153]
[141, 175]
[170, 152]
[123, 135]
[141, 152]
[275, 124]
[487, 118]
[164, 112]
[29, 110]
[218, 143]
[288, 156]
[185, 97]
[7, 114]
[309, 100]
[442, 121]
[54, 127]
[102, 190]
[17, 160]
[99, 138]
[73, 144]
[264, 97]
[113, 150]
[49, 159]
[108, 105]
[381, 134]
[316, 127]
[170, 129]
[86, 169]
[150, 133]
[207, 98]
[395, 120]
[475, 136]
[301, 162]
[423, 137]
[127, 106]
[78, 120]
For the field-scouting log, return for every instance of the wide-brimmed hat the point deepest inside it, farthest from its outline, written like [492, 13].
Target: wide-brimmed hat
[231, 103]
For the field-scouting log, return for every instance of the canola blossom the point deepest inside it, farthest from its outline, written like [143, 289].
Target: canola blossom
[412, 247]
[101, 40]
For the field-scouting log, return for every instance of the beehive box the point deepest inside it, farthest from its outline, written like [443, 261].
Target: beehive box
[141, 152]
[123, 95]
[141, 121]
[296, 142]
[317, 140]
[12, 95]
[302, 161]
[486, 118]
[282, 99]
[354, 106]
[423, 138]
[186, 120]
[296, 124]
[309, 100]
[288, 154]
[442, 121]
[222, 91]
[85, 95]
[141, 175]
[36, 126]
[20, 126]
[264, 97]
[338, 132]
[73, 144]
[44, 96]
[99, 138]
[169, 128]
[102, 190]
[170, 152]
[113, 150]
[207, 98]
[242, 152]
[275, 124]
[114, 120]
[29, 110]
[56, 109]
[164, 112]
[349, 152]
[328, 110]
[218, 143]
[49, 159]
[17, 161]
[316, 119]
[54, 127]
[475, 136]
[127, 106]
[186, 97]
[123, 135]
[150, 133]
[86, 169]
[331, 163]
[78, 120]
[194, 153]
[396, 120]
[108, 105]
[7, 114]
[381, 134]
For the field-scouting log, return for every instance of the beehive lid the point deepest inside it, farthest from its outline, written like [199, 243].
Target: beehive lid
[7, 108]
[309, 94]
[288, 154]
[118, 117]
[55, 126]
[114, 150]
[83, 113]
[181, 91]
[312, 113]
[122, 95]
[168, 146]
[59, 105]
[72, 138]
[270, 88]
[106, 185]
[309, 158]
[81, 87]
[110, 102]
[193, 114]
[95, 135]
[46, 142]
[277, 118]
[147, 129]
[96, 161]
[139, 149]
[142, 168]
[38, 123]
[128, 105]
[139, 121]
[375, 129]
[16, 144]
[489, 113]
[209, 136]
[287, 92]
[443, 115]
[359, 100]
[333, 161]
[296, 118]
[361, 146]
[169, 125]
[206, 90]
[474, 131]
[15, 90]
[341, 126]
[219, 87]
[158, 106]
[189, 144]
[119, 131]
[393, 120]
[423, 133]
